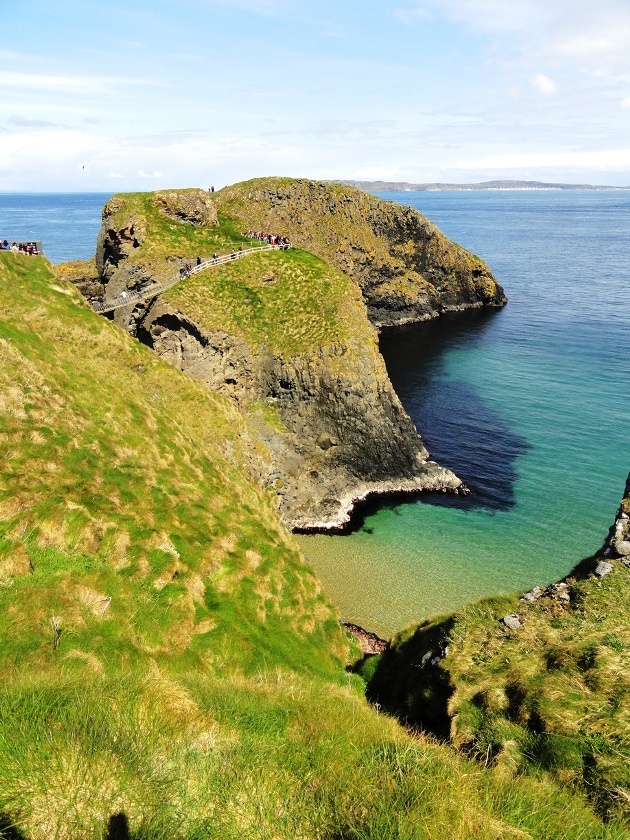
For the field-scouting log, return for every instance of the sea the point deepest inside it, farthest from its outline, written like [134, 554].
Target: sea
[529, 405]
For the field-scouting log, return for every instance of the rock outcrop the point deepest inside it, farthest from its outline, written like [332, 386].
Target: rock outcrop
[405, 267]
[193, 207]
[326, 410]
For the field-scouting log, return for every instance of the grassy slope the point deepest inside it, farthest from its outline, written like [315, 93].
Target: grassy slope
[289, 302]
[166, 237]
[297, 303]
[551, 698]
[205, 699]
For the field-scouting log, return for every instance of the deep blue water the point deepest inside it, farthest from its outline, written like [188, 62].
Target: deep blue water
[530, 405]
[66, 223]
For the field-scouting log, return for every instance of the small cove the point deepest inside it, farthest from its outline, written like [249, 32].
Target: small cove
[529, 405]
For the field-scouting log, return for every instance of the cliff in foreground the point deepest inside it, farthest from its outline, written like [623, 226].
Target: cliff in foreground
[530, 685]
[169, 667]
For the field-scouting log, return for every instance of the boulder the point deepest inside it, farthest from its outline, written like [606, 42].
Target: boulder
[603, 568]
[512, 621]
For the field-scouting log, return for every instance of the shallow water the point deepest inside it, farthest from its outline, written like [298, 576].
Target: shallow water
[528, 405]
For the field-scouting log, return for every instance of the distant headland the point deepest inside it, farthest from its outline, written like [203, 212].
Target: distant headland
[403, 186]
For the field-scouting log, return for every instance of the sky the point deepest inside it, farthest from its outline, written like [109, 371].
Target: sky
[153, 94]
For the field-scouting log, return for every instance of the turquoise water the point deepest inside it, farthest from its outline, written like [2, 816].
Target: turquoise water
[529, 405]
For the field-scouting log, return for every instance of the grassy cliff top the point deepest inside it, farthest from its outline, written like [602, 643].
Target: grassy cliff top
[550, 696]
[169, 668]
[393, 252]
[198, 231]
[288, 302]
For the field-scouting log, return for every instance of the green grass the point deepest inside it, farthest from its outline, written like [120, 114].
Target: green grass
[169, 666]
[288, 302]
[552, 698]
[168, 238]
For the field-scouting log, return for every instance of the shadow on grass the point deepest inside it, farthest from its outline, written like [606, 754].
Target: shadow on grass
[407, 682]
[8, 831]
[118, 827]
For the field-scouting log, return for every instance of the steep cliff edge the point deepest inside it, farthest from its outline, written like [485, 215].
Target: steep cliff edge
[286, 336]
[405, 267]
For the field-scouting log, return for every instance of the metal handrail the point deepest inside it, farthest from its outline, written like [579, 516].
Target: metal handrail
[127, 298]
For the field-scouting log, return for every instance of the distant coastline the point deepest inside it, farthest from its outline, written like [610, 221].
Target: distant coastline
[404, 186]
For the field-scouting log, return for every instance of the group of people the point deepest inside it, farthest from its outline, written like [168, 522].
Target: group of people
[21, 247]
[269, 238]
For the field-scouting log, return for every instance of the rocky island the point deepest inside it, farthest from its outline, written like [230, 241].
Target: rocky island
[291, 336]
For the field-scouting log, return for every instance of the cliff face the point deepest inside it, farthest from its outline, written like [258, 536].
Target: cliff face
[336, 429]
[405, 267]
[287, 337]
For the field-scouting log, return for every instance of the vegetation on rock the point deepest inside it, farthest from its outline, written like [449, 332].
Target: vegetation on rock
[538, 685]
[279, 328]
[405, 267]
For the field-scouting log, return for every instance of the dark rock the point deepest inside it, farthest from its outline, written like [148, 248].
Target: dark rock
[369, 643]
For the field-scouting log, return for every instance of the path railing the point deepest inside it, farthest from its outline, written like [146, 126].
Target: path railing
[128, 298]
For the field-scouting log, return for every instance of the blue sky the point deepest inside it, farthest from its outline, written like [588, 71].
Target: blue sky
[146, 95]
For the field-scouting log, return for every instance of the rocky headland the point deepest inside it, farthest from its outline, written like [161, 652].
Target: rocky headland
[291, 336]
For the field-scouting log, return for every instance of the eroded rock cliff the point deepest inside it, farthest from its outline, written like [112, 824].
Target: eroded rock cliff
[287, 335]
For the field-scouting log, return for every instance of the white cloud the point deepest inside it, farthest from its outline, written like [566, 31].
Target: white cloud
[40, 82]
[545, 85]
[569, 30]
[625, 103]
